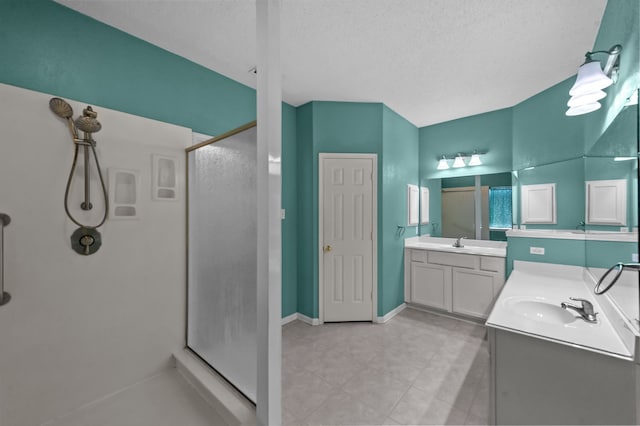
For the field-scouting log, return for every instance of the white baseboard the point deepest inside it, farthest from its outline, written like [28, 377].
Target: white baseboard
[391, 314]
[308, 320]
[290, 318]
[298, 316]
[315, 321]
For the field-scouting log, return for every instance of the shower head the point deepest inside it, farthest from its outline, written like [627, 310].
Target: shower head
[88, 122]
[61, 108]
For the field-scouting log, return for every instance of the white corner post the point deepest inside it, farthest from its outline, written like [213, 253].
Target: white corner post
[269, 186]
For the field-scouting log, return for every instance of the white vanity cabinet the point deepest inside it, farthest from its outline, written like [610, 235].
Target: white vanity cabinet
[461, 283]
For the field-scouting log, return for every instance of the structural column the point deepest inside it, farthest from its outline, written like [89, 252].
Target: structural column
[269, 185]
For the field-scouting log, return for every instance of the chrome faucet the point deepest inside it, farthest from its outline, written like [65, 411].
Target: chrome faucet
[585, 310]
[458, 242]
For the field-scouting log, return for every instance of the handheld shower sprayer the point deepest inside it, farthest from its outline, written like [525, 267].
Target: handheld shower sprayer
[85, 240]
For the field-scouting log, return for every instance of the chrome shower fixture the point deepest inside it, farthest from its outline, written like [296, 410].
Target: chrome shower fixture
[85, 240]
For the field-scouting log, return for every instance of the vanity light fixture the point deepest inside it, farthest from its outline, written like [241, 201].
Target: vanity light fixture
[475, 160]
[591, 79]
[443, 164]
[458, 162]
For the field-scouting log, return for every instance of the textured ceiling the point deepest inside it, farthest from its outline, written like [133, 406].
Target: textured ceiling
[428, 60]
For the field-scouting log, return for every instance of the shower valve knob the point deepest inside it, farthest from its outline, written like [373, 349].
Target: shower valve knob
[86, 241]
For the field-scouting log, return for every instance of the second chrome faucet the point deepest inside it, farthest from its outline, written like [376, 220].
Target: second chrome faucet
[458, 242]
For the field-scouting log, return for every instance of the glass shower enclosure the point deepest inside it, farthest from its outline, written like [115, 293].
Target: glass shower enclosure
[222, 255]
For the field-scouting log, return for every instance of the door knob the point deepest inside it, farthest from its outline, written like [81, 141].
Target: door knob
[327, 249]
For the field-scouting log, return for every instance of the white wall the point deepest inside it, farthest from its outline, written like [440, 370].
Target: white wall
[79, 327]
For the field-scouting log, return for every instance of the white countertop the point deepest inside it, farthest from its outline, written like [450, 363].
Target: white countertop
[551, 285]
[478, 247]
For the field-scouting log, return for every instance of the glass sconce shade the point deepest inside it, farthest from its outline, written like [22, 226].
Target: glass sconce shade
[590, 78]
[583, 109]
[475, 160]
[443, 164]
[587, 98]
[458, 162]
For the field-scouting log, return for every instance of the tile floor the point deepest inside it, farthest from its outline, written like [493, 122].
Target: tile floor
[417, 369]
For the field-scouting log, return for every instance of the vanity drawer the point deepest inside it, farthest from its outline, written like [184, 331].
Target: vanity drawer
[494, 264]
[418, 256]
[451, 259]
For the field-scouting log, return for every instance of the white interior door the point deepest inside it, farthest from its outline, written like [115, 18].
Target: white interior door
[347, 220]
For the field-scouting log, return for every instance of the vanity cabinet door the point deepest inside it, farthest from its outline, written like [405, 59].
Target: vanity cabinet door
[474, 291]
[431, 285]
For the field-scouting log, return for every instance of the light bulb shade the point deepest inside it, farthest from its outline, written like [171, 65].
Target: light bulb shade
[475, 160]
[442, 164]
[590, 78]
[583, 109]
[458, 162]
[587, 98]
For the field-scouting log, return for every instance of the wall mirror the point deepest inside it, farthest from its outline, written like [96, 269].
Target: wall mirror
[596, 192]
[475, 207]
[615, 156]
[597, 198]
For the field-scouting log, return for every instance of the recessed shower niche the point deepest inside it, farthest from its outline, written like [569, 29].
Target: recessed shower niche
[164, 178]
[124, 194]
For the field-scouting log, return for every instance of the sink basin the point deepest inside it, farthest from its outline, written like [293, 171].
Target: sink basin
[541, 311]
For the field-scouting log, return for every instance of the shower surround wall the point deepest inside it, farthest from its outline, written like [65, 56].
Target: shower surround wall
[80, 327]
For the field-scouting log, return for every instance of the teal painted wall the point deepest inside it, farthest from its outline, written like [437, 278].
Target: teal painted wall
[563, 252]
[306, 238]
[400, 146]
[50, 48]
[351, 127]
[597, 254]
[459, 182]
[489, 132]
[604, 254]
[290, 205]
[44, 48]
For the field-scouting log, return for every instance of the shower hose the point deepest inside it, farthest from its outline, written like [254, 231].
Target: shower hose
[91, 144]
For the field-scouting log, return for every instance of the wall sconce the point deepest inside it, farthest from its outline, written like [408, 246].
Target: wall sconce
[475, 160]
[591, 79]
[459, 160]
[443, 164]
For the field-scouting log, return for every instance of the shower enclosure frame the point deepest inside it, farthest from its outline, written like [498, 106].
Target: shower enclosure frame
[208, 142]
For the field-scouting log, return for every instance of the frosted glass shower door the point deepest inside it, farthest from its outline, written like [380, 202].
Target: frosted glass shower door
[221, 319]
